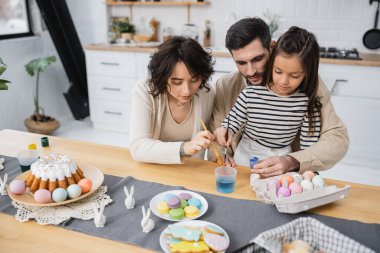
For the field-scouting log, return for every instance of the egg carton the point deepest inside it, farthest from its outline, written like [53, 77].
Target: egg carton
[299, 202]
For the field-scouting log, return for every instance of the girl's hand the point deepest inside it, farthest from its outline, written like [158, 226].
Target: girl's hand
[220, 136]
[199, 142]
[230, 161]
[274, 166]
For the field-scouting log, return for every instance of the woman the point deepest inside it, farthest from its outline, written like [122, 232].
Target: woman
[168, 106]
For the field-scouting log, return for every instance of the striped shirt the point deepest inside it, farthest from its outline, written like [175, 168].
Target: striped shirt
[272, 120]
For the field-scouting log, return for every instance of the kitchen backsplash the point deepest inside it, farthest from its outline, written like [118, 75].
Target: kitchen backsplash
[337, 23]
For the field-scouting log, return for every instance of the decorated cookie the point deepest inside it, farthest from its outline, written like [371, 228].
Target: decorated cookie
[191, 211]
[185, 234]
[185, 196]
[174, 202]
[184, 247]
[195, 202]
[213, 230]
[168, 196]
[163, 207]
[216, 242]
[176, 214]
[184, 203]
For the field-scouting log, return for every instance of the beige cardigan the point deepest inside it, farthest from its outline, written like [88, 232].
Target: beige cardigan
[145, 124]
[333, 142]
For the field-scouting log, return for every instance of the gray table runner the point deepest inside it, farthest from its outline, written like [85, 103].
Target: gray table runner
[242, 219]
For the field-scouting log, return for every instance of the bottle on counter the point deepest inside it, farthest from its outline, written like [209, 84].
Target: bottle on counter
[207, 34]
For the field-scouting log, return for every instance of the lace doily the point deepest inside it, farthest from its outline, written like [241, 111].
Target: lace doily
[82, 209]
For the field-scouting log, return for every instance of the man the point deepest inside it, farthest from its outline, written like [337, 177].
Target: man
[249, 43]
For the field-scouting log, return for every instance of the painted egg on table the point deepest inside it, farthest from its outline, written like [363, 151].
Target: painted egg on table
[297, 178]
[74, 191]
[85, 184]
[295, 188]
[309, 174]
[17, 187]
[59, 195]
[288, 178]
[318, 182]
[42, 196]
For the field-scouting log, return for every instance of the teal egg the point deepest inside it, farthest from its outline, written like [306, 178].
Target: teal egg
[59, 195]
[74, 191]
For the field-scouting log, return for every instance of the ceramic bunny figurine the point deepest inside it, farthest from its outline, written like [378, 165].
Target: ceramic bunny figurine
[1, 163]
[99, 218]
[129, 201]
[147, 224]
[3, 183]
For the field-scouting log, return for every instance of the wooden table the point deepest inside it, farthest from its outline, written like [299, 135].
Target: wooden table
[363, 203]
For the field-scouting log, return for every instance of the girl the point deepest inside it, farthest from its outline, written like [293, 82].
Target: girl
[273, 114]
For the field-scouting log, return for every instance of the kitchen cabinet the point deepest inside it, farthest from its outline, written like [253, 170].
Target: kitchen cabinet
[111, 77]
[355, 93]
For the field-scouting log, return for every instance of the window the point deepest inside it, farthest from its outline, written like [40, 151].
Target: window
[14, 19]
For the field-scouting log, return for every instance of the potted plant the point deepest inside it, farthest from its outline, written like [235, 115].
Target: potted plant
[3, 82]
[124, 28]
[39, 122]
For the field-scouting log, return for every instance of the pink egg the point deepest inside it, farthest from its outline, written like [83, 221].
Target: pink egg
[295, 188]
[17, 187]
[85, 184]
[308, 173]
[273, 182]
[283, 192]
[42, 196]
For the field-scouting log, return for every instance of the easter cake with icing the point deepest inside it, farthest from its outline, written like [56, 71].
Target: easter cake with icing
[53, 171]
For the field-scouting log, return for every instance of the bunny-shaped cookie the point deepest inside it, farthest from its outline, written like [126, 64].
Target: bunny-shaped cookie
[3, 183]
[1, 163]
[99, 218]
[129, 201]
[147, 224]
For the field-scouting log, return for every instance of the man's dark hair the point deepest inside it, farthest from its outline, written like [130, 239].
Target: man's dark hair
[178, 49]
[245, 31]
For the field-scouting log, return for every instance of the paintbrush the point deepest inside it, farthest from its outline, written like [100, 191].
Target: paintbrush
[225, 149]
[218, 157]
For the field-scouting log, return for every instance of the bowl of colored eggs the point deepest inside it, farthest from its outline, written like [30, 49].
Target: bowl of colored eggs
[18, 191]
[178, 205]
[294, 193]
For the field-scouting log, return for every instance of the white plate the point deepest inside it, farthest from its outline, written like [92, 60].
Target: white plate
[156, 199]
[190, 223]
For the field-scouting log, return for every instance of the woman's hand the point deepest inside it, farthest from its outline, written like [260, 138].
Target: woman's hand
[275, 166]
[199, 142]
[220, 136]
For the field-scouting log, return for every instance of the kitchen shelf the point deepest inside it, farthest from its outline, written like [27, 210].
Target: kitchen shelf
[158, 3]
[131, 4]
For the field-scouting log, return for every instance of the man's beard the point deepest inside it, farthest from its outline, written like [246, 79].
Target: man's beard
[255, 76]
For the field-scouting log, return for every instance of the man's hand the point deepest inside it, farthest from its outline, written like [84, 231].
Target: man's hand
[220, 136]
[199, 142]
[275, 166]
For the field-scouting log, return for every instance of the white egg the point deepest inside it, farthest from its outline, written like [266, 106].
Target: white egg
[318, 182]
[306, 185]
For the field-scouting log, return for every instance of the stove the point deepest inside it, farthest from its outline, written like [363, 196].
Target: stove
[336, 53]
